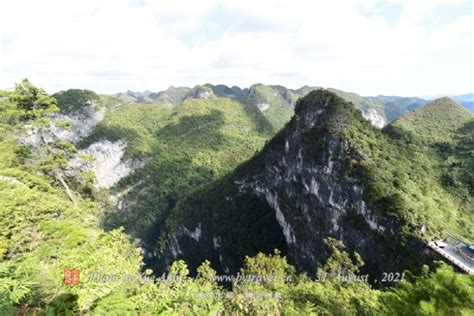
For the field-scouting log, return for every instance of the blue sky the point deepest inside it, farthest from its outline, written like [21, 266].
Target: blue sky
[371, 47]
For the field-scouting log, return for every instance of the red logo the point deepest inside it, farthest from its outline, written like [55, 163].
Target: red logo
[72, 276]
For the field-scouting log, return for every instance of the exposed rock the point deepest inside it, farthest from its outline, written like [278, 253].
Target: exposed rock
[11, 180]
[107, 164]
[263, 106]
[82, 123]
[376, 119]
[200, 92]
[299, 183]
[196, 234]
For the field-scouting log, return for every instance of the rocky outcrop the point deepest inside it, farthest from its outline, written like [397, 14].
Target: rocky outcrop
[82, 123]
[375, 118]
[291, 196]
[106, 156]
[107, 162]
[200, 92]
[68, 127]
[263, 106]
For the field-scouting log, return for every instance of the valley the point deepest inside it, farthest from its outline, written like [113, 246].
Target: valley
[210, 181]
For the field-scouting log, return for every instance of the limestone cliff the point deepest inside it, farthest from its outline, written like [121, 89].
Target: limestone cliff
[298, 190]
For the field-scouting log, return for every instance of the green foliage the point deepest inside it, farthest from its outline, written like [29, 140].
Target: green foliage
[275, 108]
[188, 146]
[401, 166]
[435, 123]
[436, 143]
[401, 181]
[443, 292]
[172, 96]
[75, 99]
[294, 294]
[41, 233]
[33, 101]
[339, 261]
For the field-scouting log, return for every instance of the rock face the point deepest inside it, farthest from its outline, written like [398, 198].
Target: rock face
[263, 106]
[376, 119]
[310, 192]
[107, 156]
[107, 162]
[200, 92]
[291, 196]
[81, 125]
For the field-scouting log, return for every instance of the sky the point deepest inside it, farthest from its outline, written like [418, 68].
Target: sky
[371, 47]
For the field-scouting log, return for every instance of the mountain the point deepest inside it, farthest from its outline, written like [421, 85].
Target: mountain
[437, 122]
[328, 173]
[446, 130]
[459, 98]
[226, 92]
[397, 106]
[372, 109]
[171, 152]
[381, 110]
[277, 102]
[466, 100]
[172, 96]
[49, 216]
[95, 190]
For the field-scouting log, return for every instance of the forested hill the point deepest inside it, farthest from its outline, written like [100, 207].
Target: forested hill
[445, 131]
[92, 186]
[328, 173]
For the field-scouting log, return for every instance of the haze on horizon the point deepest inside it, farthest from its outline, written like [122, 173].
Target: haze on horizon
[397, 47]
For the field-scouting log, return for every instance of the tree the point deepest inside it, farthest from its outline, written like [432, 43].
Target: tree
[74, 99]
[33, 101]
[340, 261]
[443, 292]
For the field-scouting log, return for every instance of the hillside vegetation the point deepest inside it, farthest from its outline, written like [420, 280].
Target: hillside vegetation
[403, 181]
[196, 142]
[444, 131]
[50, 221]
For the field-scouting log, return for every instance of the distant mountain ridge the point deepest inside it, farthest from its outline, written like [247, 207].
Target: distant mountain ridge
[466, 100]
[277, 102]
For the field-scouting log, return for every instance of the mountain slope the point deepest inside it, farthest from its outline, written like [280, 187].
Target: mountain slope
[328, 173]
[182, 148]
[446, 129]
[438, 121]
[49, 223]
[372, 109]
[395, 106]
[274, 107]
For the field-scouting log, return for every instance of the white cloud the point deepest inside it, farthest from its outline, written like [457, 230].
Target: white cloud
[112, 46]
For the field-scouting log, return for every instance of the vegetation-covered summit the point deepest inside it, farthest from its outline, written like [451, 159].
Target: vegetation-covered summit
[312, 169]
[444, 131]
